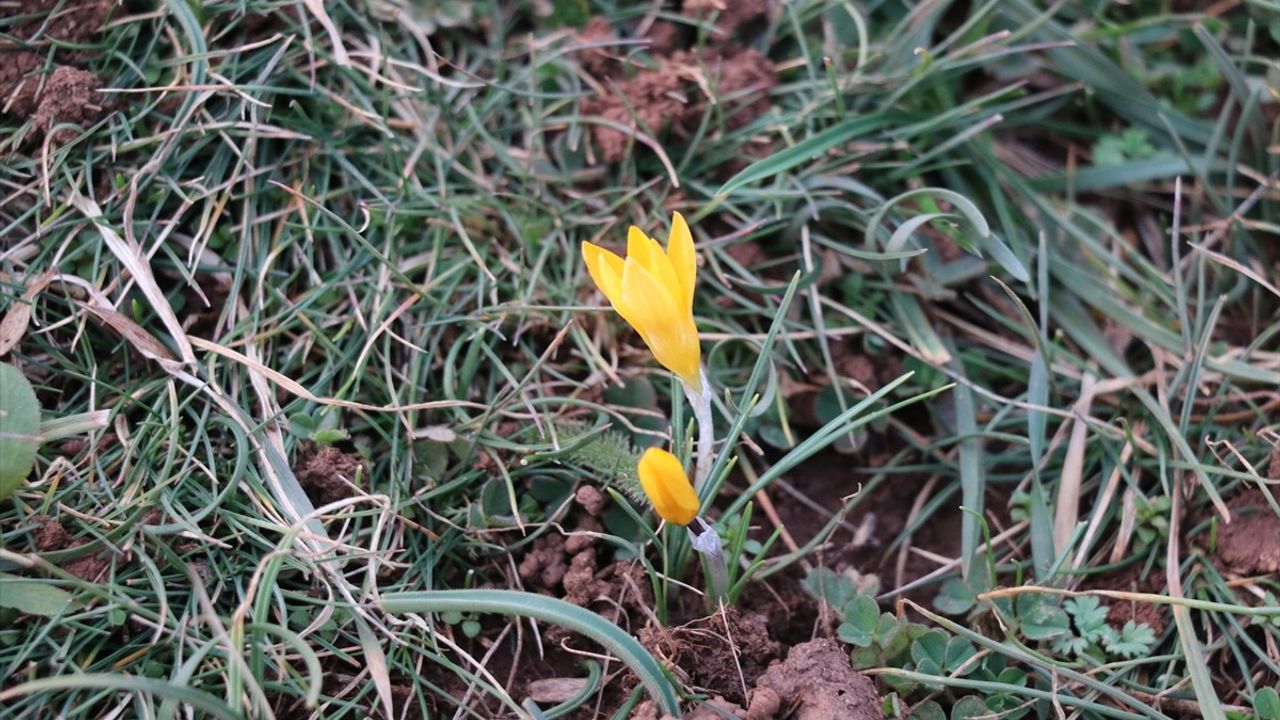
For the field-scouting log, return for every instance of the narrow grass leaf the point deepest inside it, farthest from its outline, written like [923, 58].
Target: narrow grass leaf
[546, 609]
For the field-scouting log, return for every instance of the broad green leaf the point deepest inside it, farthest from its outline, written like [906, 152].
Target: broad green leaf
[969, 706]
[19, 429]
[1267, 704]
[32, 596]
[861, 617]
[928, 710]
[1041, 618]
[955, 597]
[929, 652]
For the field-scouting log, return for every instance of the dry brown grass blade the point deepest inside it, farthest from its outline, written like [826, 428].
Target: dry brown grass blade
[14, 324]
[316, 8]
[142, 341]
[131, 257]
[292, 387]
[1068, 504]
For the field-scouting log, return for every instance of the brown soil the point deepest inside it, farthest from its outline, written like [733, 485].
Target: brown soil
[815, 682]
[730, 15]
[1250, 543]
[722, 654]
[51, 536]
[1131, 580]
[880, 517]
[67, 94]
[675, 95]
[596, 61]
[818, 681]
[326, 473]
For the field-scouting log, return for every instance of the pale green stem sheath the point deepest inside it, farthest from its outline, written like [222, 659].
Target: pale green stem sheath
[707, 543]
[700, 400]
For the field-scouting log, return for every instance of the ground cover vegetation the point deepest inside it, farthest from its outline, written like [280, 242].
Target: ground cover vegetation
[321, 394]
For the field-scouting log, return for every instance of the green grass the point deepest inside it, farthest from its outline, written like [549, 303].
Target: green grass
[377, 247]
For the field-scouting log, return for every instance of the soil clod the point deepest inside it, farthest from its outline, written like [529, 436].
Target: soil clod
[818, 680]
[327, 474]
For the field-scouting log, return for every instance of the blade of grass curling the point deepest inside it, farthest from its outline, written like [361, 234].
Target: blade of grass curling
[546, 609]
[807, 150]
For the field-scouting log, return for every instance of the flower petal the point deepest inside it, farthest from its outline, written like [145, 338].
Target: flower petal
[605, 268]
[646, 251]
[684, 259]
[665, 482]
[667, 328]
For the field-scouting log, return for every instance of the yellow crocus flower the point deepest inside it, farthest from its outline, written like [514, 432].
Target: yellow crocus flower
[664, 481]
[653, 291]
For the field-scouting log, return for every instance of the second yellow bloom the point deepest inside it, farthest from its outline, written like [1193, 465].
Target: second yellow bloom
[665, 482]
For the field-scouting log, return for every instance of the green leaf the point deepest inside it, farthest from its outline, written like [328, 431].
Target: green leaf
[928, 710]
[1090, 617]
[959, 652]
[861, 617]
[1134, 640]
[969, 706]
[32, 596]
[955, 597]
[825, 584]
[19, 429]
[1266, 703]
[929, 652]
[1040, 619]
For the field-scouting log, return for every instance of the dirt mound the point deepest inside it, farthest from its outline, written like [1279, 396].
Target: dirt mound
[70, 96]
[818, 680]
[815, 682]
[66, 95]
[724, 77]
[722, 654]
[1250, 544]
[51, 536]
[326, 474]
[727, 15]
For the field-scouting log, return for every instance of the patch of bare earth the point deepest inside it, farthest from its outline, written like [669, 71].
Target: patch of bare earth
[685, 84]
[66, 95]
[51, 536]
[327, 474]
[722, 654]
[814, 682]
[1250, 543]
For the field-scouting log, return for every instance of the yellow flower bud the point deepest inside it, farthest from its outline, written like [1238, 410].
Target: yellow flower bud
[664, 481]
[653, 291]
